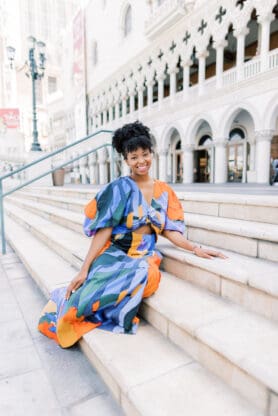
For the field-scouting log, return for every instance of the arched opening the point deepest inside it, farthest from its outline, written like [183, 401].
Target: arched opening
[179, 76]
[274, 30]
[128, 21]
[166, 84]
[210, 60]
[155, 88]
[274, 156]
[204, 157]
[155, 163]
[251, 40]
[174, 159]
[194, 68]
[237, 155]
[230, 49]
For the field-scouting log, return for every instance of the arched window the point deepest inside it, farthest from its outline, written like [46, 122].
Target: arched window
[128, 22]
[94, 53]
[236, 135]
[205, 140]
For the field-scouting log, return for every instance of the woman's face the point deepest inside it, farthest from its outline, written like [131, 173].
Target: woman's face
[139, 161]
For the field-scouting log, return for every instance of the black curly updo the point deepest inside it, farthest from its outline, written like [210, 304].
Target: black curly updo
[131, 137]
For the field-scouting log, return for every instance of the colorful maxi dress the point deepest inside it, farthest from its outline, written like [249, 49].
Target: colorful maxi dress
[126, 269]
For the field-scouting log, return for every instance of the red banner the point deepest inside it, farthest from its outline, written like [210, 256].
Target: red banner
[9, 118]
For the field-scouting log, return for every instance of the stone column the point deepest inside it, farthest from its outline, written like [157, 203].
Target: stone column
[125, 168]
[82, 168]
[186, 77]
[173, 81]
[102, 166]
[92, 160]
[140, 89]
[160, 79]
[188, 162]
[220, 168]
[150, 85]
[263, 147]
[132, 101]
[111, 113]
[117, 110]
[163, 165]
[124, 107]
[202, 71]
[104, 118]
[264, 39]
[220, 62]
[240, 52]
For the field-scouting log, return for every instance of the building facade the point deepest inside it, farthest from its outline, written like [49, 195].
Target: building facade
[203, 75]
[46, 21]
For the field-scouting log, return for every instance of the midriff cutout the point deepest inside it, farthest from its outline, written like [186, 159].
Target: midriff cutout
[145, 229]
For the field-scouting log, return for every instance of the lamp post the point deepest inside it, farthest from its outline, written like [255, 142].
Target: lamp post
[35, 70]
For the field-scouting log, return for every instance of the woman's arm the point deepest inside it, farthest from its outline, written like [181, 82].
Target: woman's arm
[98, 242]
[180, 241]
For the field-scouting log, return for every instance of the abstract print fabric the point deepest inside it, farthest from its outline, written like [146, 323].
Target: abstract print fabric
[125, 271]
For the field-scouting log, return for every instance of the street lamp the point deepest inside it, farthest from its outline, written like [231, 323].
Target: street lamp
[36, 71]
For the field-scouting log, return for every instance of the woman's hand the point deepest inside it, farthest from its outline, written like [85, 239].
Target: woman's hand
[207, 253]
[75, 283]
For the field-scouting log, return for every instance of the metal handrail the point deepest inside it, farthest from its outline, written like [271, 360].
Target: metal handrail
[35, 162]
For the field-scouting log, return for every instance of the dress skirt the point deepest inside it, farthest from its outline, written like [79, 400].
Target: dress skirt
[119, 278]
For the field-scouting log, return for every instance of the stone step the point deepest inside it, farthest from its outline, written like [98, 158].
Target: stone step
[71, 204]
[238, 346]
[70, 192]
[135, 368]
[247, 281]
[244, 237]
[257, 375]
[258, 208]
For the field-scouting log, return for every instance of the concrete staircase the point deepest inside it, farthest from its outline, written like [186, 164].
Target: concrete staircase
[208, 344]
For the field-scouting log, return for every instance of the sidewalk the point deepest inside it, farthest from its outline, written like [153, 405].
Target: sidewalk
[37, 377]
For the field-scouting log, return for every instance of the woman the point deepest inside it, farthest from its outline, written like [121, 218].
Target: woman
[122, 266]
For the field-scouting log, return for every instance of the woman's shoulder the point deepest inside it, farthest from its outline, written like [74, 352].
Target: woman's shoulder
[163, 186]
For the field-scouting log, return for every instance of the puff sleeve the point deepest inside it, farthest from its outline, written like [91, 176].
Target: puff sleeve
[174, 220]
[106, 209]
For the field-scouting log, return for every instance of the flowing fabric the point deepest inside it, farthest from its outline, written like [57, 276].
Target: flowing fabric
[125, 271]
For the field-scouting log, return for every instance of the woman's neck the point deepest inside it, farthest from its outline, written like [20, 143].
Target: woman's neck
[142, 179]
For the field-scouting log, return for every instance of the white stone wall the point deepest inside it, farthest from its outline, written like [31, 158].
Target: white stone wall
[245, 96]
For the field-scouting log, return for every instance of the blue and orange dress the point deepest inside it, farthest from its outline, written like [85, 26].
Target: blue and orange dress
[125, 271]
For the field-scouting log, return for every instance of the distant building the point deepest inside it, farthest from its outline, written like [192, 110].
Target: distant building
[202, 74]
[45, 20]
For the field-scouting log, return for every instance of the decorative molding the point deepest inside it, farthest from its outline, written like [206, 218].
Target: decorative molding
[264, 135]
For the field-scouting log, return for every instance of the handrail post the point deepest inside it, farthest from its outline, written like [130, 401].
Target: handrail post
[3, 239]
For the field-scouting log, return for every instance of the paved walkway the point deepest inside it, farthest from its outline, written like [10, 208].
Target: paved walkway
[37, 377]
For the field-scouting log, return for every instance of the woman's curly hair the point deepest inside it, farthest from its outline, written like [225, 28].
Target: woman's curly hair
[130, 137]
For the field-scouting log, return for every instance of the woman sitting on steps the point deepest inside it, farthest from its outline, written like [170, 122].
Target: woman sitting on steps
[122, 265]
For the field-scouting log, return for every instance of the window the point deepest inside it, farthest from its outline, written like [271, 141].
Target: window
[236, 135]
[52, 85]
[94, 53]
[128, 22]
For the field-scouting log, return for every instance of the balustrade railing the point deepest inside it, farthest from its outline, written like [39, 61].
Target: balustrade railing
[252, 68]
[59, 165]
[273, 59]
